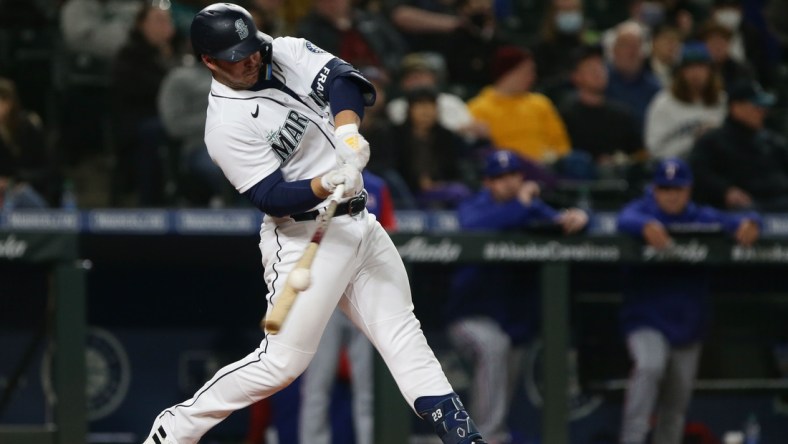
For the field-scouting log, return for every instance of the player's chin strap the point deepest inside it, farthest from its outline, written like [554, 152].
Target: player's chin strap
[449, 418]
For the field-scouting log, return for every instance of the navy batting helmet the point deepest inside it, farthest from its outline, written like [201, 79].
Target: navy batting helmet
[227, 32]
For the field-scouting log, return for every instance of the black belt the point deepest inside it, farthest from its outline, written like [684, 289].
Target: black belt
[351, 207]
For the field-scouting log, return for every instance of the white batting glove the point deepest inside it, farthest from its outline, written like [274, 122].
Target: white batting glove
[346, 174]
[352, 148]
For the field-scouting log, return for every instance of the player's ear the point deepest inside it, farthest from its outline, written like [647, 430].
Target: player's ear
[208, 61]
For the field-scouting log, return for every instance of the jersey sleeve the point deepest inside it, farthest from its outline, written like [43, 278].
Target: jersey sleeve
[242, 155]
[315, 68]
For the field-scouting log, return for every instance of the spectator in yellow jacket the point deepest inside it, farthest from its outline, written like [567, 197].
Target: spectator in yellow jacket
[518, 119]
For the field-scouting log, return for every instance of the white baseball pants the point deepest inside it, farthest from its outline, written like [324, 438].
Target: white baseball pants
[358, 267]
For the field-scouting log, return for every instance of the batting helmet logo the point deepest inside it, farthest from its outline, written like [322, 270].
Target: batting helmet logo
[241, 29]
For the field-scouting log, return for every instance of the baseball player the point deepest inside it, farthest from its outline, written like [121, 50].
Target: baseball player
[492, 311]
[282, 124]
[665, 309]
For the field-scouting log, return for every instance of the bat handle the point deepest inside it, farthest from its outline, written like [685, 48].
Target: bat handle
[338, 192]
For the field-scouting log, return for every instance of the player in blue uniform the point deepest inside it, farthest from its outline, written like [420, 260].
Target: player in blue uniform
[493, 309]
[665, 309]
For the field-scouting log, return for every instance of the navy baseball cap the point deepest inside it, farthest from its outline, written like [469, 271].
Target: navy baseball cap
[694, 52]
[501, 162]
[749, 91]
[672, 172]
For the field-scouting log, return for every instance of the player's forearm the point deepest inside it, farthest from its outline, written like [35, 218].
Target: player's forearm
[346, 117]
[318, 189]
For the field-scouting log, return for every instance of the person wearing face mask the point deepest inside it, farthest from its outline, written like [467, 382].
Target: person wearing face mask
[665, 53]
[748, 44]
[564, 29]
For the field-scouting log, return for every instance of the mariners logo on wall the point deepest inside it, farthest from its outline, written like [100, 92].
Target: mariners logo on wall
[108, 373]
[314, 48]
[241, 29]
[580, 404]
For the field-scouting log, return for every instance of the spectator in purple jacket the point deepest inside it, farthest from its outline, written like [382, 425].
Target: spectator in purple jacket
[665, 310]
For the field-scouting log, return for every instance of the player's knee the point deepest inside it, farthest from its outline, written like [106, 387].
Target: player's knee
[650, 367]
[449, 418]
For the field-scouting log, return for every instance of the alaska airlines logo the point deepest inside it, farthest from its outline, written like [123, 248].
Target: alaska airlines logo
[285, 141]
[241, 29]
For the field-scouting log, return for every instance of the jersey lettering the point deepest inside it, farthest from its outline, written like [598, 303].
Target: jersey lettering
[285, 141]
[321, 103]
[321, 81]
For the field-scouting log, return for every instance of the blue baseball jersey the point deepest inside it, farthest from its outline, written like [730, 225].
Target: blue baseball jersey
[504, 292]
[673, 299]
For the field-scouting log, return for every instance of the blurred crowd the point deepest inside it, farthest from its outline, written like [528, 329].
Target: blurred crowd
[102, 103]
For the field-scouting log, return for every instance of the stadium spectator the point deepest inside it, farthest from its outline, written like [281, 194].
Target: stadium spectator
[742, 164]
[181, 103]
[665, 53]
[427, 25]
[24, 157]
[422, 70]
[435, 163]
[748, 43]
[692, 104]
[564, 28]
[97, 28]
[354, 35]
[468, 58]
[718, 41]
[492, 312]
[630, 83]
[519, 119]
[589, 116]
[139, 135]
[269, 17]
[665, 311]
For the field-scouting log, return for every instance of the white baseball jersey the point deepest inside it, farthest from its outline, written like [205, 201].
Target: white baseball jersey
[250, 134]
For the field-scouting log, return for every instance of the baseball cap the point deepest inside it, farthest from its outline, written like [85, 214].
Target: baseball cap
[672, 172]
[500, 162]
[694, 52]
[750, 91]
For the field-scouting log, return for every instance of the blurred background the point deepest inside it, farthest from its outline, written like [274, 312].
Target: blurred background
[102, 108]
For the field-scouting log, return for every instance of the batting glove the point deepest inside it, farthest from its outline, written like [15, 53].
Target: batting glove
[346, 174]
[352, 148]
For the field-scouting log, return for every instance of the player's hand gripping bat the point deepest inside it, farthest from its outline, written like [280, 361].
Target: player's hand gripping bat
[298, 279]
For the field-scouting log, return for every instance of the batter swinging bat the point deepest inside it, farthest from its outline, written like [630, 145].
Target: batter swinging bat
[273, 322]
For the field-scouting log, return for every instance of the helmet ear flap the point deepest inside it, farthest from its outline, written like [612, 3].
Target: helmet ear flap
[267, 52]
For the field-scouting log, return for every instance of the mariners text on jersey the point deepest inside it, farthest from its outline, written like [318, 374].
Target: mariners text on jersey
[285, 141]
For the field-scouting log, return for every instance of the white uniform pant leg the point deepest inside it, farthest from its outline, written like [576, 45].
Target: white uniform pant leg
[282, 357]
[676, 394]
[481, 341]
[650, 352]
[317, 384]
[380, 304]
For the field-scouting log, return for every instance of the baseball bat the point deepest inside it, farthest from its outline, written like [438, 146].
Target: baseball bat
[274, 321]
